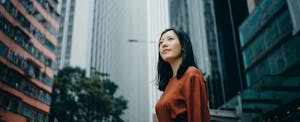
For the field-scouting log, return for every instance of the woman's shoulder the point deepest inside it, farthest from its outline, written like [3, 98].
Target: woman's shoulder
[192, 70]
[192, 73]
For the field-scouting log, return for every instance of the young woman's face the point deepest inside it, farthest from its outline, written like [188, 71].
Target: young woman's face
[169, 46]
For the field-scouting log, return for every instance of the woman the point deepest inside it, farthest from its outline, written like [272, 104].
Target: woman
[184, 97]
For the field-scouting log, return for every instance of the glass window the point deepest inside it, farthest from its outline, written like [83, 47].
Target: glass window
[4, 50]
[9, 7]
[23, 21]
[49, 45]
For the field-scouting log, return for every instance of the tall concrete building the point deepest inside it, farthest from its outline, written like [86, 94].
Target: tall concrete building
[28, 31]
[222, 21]
[188, 15]
[64, 44]
[114, 24]
[157, 21]
[74, 34]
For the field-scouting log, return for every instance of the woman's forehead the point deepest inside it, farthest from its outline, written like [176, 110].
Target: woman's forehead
[169, 33]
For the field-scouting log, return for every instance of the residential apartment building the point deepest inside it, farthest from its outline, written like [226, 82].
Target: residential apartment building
[28, 31]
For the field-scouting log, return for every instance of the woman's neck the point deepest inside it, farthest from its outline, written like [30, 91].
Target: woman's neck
[175, 65]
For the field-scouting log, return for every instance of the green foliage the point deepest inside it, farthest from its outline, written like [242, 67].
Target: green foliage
[76, 98]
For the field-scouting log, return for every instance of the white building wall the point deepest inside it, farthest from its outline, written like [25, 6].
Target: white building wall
[158, 21]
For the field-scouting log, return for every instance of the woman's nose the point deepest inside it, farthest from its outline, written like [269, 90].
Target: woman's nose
[164, 44]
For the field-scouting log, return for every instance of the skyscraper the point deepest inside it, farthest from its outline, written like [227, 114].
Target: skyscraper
[223, 19]
[114, 24]
[28, 31]
[188, 15]
[268, 39]
[157, 21]
[64, 44]
[74, 34]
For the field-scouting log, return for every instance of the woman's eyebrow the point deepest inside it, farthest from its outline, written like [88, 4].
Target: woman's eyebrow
[166, 37]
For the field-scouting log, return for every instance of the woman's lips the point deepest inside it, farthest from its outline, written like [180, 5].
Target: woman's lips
[166, 50]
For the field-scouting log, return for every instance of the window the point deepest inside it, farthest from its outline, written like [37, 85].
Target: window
[49, 45]
[4, 50]
[23, 21]
[72, 8]
[13, 79]
[37, 34]
[9, 7]
[14, 105]
[48, 61]
[46, 79]
[17, 59]
[5, 102]
[39, 17]
[5, 26]
[28, 5]
[21, 38]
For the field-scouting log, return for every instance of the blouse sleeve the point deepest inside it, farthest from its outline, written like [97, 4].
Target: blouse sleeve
[196, 100]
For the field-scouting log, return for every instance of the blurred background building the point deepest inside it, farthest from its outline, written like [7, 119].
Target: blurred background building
[114, 24]
[74, 34]
[212, 27]
[268, 39]
[28, 31]
[157, 22]
[248, 53]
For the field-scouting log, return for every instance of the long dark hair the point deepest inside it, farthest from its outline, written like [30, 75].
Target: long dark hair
[164, 71]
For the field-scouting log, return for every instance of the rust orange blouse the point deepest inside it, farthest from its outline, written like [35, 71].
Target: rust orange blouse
[184, 99]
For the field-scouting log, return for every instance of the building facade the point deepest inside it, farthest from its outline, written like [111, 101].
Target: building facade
[64, 44]
[74, 34]
[28, 31]
[223, 20]
[188, 15]
[114, 24]
[269, 38]
[157, 22]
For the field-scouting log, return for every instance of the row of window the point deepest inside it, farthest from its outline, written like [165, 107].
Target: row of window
[9, 6]
[30, 69]
[276, 30]
[277, 61]
[19, 82]
[30, 8]
[24, 41]
[25, 23]
[28, 5]
[45, 23]
[11, 103]
[258, 18]
[50, 8]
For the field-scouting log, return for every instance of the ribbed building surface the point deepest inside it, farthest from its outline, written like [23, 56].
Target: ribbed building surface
[28, 30]
[157, 21]
[73, 47]
[64, 44]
